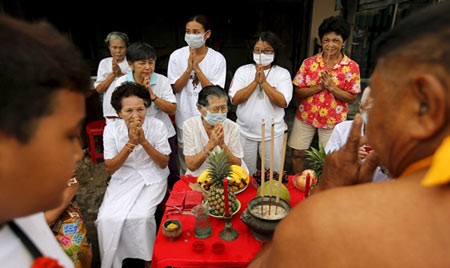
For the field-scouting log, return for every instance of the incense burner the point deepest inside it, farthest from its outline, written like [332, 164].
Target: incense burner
[263, 214]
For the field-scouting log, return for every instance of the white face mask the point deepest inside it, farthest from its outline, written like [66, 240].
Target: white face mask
[195, 40]
[266, 59]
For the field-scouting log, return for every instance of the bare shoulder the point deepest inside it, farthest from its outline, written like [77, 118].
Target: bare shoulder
[365, 225]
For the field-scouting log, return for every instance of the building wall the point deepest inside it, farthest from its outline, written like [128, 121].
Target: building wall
[321, 10]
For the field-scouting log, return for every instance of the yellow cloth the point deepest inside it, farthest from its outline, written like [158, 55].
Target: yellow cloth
[439, 172]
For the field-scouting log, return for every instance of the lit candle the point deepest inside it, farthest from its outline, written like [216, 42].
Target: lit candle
[225, 199]
[308, 185]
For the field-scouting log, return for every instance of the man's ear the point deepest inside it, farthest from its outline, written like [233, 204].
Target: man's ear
[429, 106]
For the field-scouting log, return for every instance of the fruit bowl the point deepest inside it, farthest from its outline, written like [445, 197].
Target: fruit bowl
[238, 180]
[172, 229]
[221, 216]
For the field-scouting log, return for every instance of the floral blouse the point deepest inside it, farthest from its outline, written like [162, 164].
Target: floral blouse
[323, 110]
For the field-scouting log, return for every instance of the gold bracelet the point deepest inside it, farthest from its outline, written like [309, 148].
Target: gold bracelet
[131, 144]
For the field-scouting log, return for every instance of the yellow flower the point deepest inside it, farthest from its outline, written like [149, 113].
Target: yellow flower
[439, 173]
[333, 104]
[321, 98]
[331, 121]
[323, 112]
[309, 99]
[345, 69]
[304, 115]
[314, 66]
[314, 108]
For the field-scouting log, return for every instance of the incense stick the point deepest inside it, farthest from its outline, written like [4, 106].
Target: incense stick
[280, 175]
[263, 168]
[272, 148]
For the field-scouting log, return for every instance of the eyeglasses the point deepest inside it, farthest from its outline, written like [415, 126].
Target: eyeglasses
[267, 51]
[218, 109]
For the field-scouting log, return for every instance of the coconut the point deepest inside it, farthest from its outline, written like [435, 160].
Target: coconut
[284, 192]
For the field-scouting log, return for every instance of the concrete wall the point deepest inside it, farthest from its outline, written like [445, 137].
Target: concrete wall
[321, 10]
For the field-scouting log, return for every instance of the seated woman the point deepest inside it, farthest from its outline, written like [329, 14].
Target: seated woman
[136, 151]
[211, 130]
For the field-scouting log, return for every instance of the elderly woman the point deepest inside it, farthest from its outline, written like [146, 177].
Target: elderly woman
[325, 83]
[211, 130]
[136, 153]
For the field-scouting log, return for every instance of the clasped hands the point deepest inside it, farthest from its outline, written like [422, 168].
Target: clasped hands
[116, 68]
[135, 132]
[260, 77]
[216, 138]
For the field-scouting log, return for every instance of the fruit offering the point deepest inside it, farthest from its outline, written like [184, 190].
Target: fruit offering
[219, 169]
[237, 180]
[257, 177]
[299, 180]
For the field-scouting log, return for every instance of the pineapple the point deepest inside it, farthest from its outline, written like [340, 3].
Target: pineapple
[219, 168]
[315, 159]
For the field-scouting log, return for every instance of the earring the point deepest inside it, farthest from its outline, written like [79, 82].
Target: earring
[423, 108]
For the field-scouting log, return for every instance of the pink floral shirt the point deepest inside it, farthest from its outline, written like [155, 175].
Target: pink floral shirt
[323, 110]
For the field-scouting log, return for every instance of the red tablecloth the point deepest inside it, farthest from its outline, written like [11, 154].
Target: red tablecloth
[237, 253]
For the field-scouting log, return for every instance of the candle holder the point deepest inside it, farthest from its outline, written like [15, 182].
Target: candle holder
[228, 233]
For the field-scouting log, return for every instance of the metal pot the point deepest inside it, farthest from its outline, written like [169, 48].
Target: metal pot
[263, 225]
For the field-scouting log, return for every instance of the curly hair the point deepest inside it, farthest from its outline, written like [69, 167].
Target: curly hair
[336, 24]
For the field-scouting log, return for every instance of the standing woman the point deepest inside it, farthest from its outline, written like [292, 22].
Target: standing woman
[261, 90]
[110, 69]
[136, 155]
[325, 83]
[190, 69]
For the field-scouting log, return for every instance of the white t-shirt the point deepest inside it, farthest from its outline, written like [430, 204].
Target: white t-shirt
[161, 87]
[13, 253]
[104, 70]
[195, 138]
[214, 68]
[250, 113]
[339, 138]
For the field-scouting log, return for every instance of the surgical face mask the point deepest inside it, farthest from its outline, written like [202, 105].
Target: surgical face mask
[214, 118]
[266, 59]
[195, 40]
[365, 117]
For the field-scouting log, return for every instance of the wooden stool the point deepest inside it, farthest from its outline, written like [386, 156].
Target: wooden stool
[95, 128]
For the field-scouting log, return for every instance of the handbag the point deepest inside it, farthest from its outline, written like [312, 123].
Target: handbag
[70, 231]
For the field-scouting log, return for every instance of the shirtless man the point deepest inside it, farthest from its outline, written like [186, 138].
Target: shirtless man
[397, 223]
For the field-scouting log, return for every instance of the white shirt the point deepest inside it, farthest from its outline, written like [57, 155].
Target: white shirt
[213, 66]
[338, 139]
[251, 112]
[161, 87]
[195, 138]
[104, 70]
[13, 253]
[138, 163]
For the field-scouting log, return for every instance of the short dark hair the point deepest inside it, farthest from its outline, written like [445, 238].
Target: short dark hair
[269, 37]
[36, 62]
[420, 38]
[212, 90]
[140, 51]
[128, 89]
[336, 24]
